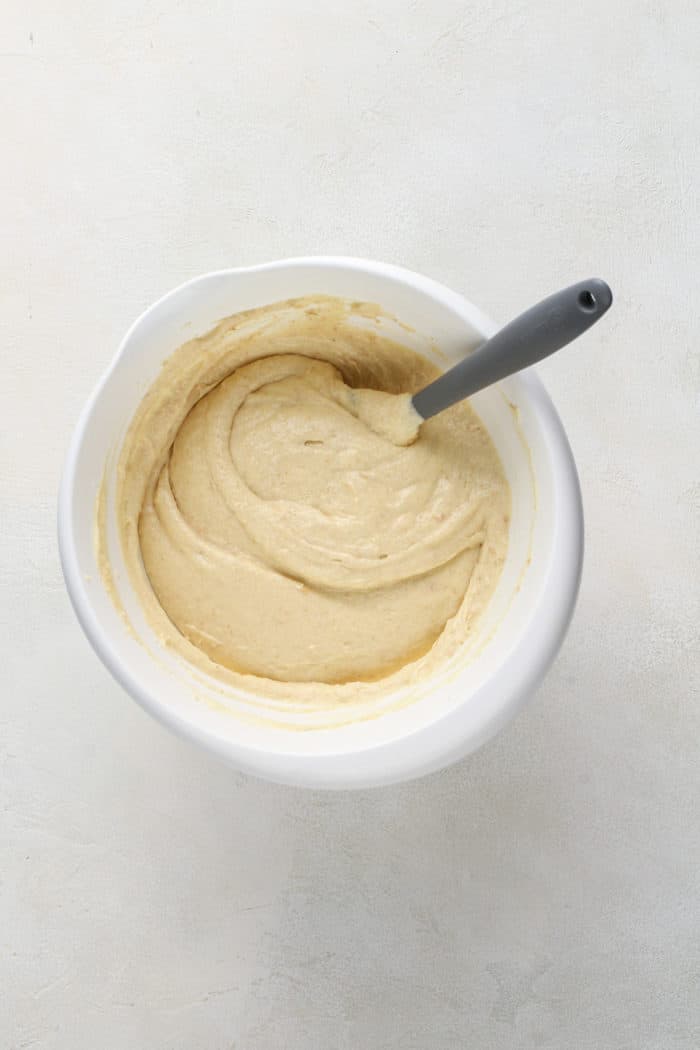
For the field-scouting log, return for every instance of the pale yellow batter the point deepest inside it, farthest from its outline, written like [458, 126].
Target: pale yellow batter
[277, 522]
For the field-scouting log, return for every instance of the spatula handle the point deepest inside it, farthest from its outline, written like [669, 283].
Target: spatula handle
[535, 334]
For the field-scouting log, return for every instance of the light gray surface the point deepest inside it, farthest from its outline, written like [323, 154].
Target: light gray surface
[542, 894]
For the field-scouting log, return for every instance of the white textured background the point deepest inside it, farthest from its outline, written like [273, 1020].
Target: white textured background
[543, 894]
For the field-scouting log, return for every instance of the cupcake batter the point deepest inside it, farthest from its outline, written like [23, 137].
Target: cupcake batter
[282, 517]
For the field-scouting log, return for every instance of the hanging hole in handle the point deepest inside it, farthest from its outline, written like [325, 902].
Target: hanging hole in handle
[586, 301]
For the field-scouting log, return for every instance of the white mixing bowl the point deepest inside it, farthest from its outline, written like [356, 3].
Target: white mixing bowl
[460, 707]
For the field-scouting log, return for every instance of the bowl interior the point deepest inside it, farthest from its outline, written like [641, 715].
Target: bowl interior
[481, 682]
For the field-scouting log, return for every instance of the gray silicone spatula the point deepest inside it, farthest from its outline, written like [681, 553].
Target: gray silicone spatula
[536, 334]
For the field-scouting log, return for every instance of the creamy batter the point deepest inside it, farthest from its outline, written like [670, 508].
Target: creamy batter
[283, 517]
